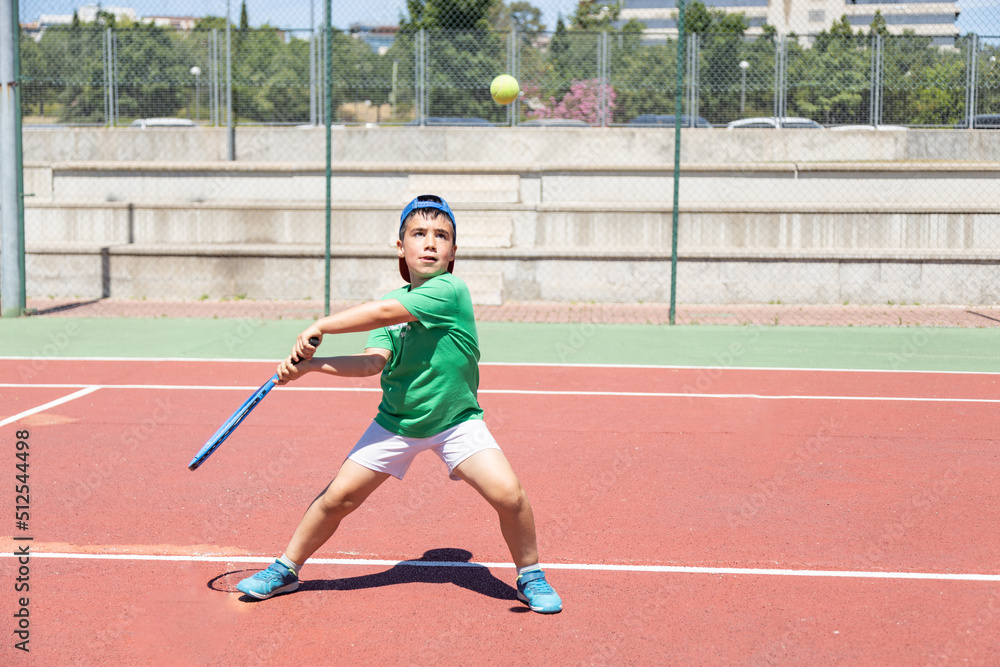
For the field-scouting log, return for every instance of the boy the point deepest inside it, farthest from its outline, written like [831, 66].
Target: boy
[423, 340]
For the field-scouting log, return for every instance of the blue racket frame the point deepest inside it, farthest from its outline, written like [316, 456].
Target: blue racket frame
[237, 418]
[234, 420]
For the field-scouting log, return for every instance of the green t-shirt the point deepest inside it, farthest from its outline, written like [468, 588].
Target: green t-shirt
[430, 382]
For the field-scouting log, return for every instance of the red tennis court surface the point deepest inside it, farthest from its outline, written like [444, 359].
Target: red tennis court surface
[686, 516]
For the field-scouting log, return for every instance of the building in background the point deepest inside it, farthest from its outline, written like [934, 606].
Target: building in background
[806, 17]
[379, 37]
[88, 13]
[184, 23]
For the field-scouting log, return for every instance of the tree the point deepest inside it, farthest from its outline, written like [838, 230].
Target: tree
[699, 19]
[594, 15]
[244, 18]
[829, 82]
[446, 15]
[879, 26]
[211, 22]
[519, 15]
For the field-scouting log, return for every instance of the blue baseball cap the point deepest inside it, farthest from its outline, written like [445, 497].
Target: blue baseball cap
[425, 201]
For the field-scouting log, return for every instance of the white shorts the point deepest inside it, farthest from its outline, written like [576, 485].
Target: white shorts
[384, 451]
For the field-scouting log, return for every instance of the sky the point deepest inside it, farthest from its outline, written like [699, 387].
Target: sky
[980, 16]
[279, 13]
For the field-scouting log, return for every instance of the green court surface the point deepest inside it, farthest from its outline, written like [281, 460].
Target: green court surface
[882, 348]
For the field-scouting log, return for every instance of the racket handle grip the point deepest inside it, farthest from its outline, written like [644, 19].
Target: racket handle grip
[312, 341]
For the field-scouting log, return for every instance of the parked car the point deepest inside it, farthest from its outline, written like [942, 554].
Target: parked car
[982, 121]
[554, 122]
[668, 120]
[162, 122]
[787, 122]
[449, 120]
[876, 128]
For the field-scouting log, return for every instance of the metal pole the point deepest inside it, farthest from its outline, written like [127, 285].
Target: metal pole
[212, 118]
[601, 100]
[973, 80]
[677, 157]
[230, 135]
[107, 78]
[515, 40]
[511, 40]
[743, 86]
[694, 76]
[197, 92]
[11, 230]
[114, 81]
[877, 114]
[393, 96]
[328, 95]
[218, 76]
[313, 120]
[418, 84]
[777, 78]
[19, 155]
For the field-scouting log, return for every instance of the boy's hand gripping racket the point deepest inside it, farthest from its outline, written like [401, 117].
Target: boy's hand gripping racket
[236, 419]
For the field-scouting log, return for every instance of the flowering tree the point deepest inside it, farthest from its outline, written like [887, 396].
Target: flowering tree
[582, 102]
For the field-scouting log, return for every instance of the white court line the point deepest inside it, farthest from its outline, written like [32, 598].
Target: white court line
[532, 392]
[608, 567]
[51, 404]
[539, 364]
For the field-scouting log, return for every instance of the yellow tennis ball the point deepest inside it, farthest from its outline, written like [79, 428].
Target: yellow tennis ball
[504, 89]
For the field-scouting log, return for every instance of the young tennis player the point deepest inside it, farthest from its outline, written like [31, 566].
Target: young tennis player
[423, 341]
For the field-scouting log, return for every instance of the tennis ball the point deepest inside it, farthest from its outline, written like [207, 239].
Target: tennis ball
[504, 89]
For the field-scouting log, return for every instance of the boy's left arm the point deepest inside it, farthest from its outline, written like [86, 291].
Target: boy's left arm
[371, 362]
[367, 316]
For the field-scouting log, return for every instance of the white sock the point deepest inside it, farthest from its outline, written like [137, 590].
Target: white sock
[295, 567]
[528, 568]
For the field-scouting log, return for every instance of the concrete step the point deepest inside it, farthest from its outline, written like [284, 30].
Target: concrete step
[486, 288]
[461, 188]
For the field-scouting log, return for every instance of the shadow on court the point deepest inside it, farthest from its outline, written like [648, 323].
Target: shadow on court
[437, 566]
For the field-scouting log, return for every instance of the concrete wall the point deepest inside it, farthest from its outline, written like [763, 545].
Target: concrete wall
[544, 213]
[498, 146]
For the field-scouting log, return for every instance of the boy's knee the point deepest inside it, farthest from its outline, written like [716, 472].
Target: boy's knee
[509, 497]
[338, 502]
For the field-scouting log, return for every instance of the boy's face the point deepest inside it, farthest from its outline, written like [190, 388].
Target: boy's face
[427, 247]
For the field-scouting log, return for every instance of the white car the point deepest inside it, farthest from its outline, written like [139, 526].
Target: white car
[773, 122]
[878, 128]
[162, 122]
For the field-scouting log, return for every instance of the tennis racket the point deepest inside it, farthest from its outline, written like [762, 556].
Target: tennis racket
[237, 418]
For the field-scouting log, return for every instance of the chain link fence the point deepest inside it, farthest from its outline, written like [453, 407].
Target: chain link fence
[174, 164]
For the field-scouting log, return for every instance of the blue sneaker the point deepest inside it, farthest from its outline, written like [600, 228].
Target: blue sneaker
[533, 589]
[276, 579]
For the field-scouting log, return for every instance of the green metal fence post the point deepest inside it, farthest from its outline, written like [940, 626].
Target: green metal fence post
[677, 156]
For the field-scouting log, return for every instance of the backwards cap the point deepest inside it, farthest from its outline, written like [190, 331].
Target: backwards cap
[424, 201]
